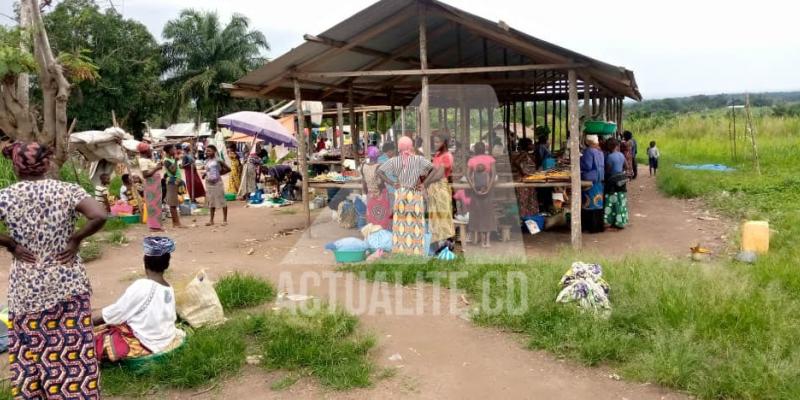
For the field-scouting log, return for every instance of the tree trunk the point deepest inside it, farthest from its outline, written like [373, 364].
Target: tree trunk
[17, 118]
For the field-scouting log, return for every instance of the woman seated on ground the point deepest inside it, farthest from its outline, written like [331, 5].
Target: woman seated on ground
[142, 321]
[481, 175]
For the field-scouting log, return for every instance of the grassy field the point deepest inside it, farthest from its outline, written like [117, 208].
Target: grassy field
[322, 344]
[717, 331]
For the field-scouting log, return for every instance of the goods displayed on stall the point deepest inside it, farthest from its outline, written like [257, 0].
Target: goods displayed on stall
[336, 177]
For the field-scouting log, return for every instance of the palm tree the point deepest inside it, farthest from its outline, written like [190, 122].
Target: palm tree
[200, 54]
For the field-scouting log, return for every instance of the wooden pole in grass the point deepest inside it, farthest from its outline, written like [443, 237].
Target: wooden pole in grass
[575, 168]
[751, 130]
[301, 151]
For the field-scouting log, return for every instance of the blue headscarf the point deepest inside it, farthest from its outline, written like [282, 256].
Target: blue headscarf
[156, 246]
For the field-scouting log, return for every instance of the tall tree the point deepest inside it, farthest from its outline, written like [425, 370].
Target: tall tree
[18, 47]
[200, 54]
[128, 59]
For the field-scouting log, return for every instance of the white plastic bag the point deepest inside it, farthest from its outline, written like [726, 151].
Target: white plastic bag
[198, 304]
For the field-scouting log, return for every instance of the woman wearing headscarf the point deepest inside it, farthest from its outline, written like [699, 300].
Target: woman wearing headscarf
[194, 184]
[142, 321]
[593, 170]
[175, 181]
[440, 197]
[151, 171]
[251, 174]
[408, 224]
[378, 211]
[616, 191]
[51, 342]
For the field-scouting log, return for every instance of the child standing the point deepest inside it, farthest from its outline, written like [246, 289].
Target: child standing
[654, 155]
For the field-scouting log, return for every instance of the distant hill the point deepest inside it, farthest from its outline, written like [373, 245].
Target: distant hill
[710, 102]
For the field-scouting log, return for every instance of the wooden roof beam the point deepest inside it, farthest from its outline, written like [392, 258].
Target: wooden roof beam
[411, 45]
[436, 71]
[375, 30]
[362, 50]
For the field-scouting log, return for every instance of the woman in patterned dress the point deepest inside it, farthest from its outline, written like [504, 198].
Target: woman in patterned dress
[151, 171]
[51, 349]
[440, 197]
[410, 170]
[235, 178]
[378, 211]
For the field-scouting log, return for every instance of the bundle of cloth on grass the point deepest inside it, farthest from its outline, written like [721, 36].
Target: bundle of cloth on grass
[584, 284]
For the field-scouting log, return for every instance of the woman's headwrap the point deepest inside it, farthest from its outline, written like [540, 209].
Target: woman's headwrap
[144, 148]
[29, 159]
[373, 153]
[157, 246]
[406, 148]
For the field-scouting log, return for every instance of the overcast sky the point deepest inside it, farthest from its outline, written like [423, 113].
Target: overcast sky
[677, 47]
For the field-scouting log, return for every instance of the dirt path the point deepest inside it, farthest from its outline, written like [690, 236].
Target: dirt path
[443, 356]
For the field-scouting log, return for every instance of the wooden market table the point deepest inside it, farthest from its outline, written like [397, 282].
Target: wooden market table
[356, 185]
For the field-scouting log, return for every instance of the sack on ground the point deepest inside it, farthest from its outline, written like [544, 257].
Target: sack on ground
[198, 304]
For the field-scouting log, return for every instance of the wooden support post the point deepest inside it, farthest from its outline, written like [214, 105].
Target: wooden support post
[392, 125]
[365, 118]
[402, 122]
[301, 151]
[353, 126]
[490, 124]
[621, 124]
[553, 126]
[604, 107]
[462, 156]
[424, 107]
[524, 120]
[575, 167]
[338, 143]
[587, 100]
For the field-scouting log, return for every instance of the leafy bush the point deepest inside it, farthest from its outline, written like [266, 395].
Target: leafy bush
[239, 291]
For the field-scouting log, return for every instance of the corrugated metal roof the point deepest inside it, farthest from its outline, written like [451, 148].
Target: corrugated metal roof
[392, 28]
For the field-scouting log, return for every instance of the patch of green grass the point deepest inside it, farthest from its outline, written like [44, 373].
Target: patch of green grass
[239, 291]
[706, 329]
[208, 356]
[719, 331]
[322, 343]
[117, 238]
[91, 250]
[114, 224]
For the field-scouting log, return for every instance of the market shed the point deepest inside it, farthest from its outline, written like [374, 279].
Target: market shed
[393, 51]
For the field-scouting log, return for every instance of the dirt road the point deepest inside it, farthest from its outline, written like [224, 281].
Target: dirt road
[442, 356]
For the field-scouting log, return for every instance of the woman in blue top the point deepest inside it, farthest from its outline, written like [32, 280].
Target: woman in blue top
[616, 202]
[593, 170]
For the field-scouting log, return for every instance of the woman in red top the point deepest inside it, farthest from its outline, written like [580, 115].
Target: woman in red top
[440, 198]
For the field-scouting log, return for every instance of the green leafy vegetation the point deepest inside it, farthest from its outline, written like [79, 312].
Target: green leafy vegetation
[239, 291]
[321, 343]
[91, 250]
[718, 331]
